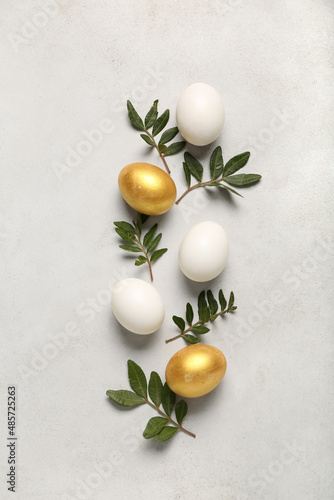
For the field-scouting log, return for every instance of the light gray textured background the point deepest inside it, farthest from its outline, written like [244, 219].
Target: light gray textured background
[267, 431]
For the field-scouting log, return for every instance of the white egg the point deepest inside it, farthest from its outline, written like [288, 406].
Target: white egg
[200, 114]
[137, 306]
[204, 251]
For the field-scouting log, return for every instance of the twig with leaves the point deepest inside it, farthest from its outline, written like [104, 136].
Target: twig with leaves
[132, 233]
[207, 311]
[219, 173]
[162, 427]
[157, 123]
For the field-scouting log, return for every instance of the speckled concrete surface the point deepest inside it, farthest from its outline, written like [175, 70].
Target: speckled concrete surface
[67, 69]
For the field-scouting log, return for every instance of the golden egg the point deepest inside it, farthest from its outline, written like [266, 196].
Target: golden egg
[195, 370]
[147, 188]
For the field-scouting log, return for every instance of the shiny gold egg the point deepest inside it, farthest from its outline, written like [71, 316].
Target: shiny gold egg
[195, 370]
[147, 188]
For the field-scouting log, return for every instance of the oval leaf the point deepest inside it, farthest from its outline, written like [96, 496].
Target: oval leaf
[166, 433]
[231, 301]
[231, 190]
[125, 226]
[125, 398]
[222, 300]
[130, 248]
[216, 163]
[151, 115]
[154, 426]
[191, 339]
[187, 173]
[149, 235]
[137, 379]
[189, 314]
[181, 410]
[168, 135]
[154, 243]
[147, 139]
[155, 388]
[195, 167]
[125, 235]
[236, 163]
[167, 399]
[160, 123]
[155, 255]
[242, 179]
[134, 117]
[200, 329]
[180, 323]
[202, 304]
[213, 304]
[175, 148]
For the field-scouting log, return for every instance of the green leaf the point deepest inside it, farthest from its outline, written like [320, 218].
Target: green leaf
[149, 235]
[141, 219]
[180, 323]
[216, 163]
[231, 301]
[187, 173]
[125, 235]
[134, 117]
[243, 179]
[175, 148]
[125, 226]
[154, 426]
[151, 115]
[206, 315]
[137, 379]
[191, 339]
[154, 243]
[155, 255]
[166, 433]
[130, 248]
[168, 135]
[125, 398]
[202, 304]
[155, 388]
[167, 399]
[189, 314]
[236, 163]
[195, 167]
[229, 189]
[162, 148]
[222, 300]
[200, 329]
[140, 262]
[147, 139]
[233, 308]
[213, 304]
[160, 123]
[181, 410]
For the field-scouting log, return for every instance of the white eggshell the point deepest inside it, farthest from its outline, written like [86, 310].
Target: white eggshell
[137, 306]
[204, 251]
[200, 114]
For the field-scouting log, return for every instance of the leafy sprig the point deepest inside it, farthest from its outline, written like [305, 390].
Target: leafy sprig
[157, 123]
[146, 247]
[219, 173]
[162, 427]
[208, 310]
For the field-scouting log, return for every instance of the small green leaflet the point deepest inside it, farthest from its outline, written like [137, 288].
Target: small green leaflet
[164, 426]
[125, 398]
[137, 379]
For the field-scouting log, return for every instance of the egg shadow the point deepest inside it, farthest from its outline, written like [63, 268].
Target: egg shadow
[195, 287]
[134, 340]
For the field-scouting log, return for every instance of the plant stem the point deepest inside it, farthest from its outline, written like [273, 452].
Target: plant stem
[143, 250]
[162, 156]
[170, 419]
[199, 322]
[199, 184]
